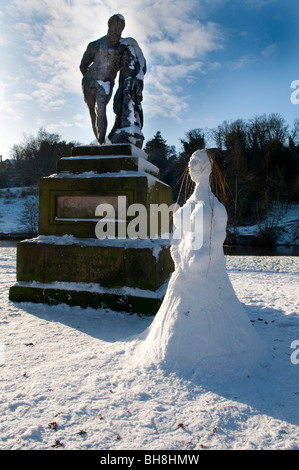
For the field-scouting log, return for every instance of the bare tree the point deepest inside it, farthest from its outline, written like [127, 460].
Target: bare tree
[29, 215]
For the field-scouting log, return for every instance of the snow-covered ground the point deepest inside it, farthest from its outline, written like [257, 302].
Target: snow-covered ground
[70, 377]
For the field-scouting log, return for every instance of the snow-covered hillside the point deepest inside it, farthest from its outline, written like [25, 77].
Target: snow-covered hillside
[13, 202]
[284, 220]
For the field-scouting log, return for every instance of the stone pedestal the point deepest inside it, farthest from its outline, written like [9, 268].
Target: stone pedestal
[67, 263]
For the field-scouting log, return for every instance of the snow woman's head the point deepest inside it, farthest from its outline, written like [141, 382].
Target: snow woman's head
[199, 165]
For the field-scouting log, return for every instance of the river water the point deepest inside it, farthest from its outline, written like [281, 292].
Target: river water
[228, 250]
[262, 250]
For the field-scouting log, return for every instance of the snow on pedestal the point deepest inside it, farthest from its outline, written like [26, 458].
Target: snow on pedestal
[201, 328]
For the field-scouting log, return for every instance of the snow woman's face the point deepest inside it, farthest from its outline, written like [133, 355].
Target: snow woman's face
[199, 164]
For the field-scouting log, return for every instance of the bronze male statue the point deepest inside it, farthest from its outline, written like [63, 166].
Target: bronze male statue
[100, 64]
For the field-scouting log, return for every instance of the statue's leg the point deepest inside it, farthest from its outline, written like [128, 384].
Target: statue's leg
[93, 119]
[102, 100]
[90, 94]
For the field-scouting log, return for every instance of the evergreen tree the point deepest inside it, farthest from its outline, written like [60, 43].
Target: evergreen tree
[164, 157]
[195, 140]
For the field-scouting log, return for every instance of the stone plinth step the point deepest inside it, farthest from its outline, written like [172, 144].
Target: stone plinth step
[140, 302]
[105, 164]
[106, 150]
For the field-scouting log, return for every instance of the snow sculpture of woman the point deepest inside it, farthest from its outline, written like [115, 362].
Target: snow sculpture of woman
[201, 327]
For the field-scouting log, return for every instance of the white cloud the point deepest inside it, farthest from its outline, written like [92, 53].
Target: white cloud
[191, 41]
[269, 51]
[242, 62]
[49, 94]
[166, 74]
[54, 127]
[23, 97]
[260, 3]
[167, 104]
[7, 104]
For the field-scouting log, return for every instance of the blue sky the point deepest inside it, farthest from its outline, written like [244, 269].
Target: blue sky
[208, 61]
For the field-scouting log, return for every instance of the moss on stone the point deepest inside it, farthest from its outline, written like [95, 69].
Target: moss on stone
[85, 299]
[108, 266]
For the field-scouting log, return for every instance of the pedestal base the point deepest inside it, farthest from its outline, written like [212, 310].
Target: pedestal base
[69, 262]
[122, 300]
[122, 275]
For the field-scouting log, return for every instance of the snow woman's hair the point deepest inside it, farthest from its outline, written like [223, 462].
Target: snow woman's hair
[217, 183]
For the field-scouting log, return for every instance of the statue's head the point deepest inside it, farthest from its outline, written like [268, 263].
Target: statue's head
[116, 25]
[199, 165]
